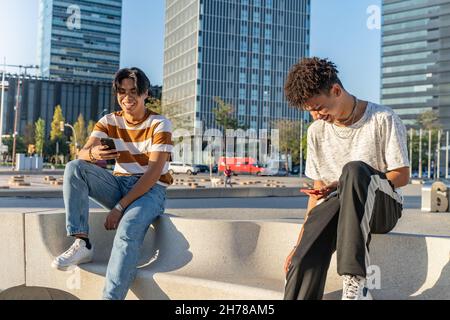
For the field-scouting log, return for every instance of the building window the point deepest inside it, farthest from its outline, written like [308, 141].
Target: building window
[242, 93]
[254, 94]
[241, 109]
[242, 78]
[244, 46]
[255, 63]
[255, 78]
[243, 62]
[244, 15]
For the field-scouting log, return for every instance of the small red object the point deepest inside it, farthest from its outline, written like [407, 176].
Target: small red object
[311, 191]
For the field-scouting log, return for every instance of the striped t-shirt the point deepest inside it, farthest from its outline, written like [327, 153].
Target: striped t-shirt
[135, 142]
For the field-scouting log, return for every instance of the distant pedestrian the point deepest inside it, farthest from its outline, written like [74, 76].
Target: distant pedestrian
[228, 173]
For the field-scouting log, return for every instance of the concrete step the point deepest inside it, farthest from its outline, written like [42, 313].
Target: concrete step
[216, 259]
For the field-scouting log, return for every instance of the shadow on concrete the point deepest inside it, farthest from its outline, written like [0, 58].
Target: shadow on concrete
[35, 293]
[399, 278]
[165, 249]
[440, 290]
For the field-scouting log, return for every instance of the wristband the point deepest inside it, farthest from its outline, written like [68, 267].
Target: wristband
[119, 207]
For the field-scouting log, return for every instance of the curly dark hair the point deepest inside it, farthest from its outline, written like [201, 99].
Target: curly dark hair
[308, 78]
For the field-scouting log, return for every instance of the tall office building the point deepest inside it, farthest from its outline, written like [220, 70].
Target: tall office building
[40, 96]
[416, 58]
[237, 50]
[79, 39]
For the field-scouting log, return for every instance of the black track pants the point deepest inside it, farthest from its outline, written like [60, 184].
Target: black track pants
[366, 203]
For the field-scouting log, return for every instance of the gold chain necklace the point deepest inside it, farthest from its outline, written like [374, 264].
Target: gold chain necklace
[339, 130]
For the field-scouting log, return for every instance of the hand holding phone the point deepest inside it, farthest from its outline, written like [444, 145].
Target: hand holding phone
[109, 143]
[311, 191]
[105, 151]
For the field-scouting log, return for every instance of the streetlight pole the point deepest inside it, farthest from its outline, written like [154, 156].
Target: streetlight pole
[429, 154]
[16, 116]
[420, 153]
[446, 156]
[411, 133]
[17, 107]
[2, 103]
[438, 162]
[104, 110]
[61, 127]
[301, 144]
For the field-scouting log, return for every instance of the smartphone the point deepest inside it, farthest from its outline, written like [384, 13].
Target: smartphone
[108, 142]
[311, 191]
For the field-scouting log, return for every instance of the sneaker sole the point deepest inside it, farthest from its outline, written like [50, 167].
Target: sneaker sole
[65, 268]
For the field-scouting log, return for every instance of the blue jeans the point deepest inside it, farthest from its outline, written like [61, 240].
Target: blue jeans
[83, 180]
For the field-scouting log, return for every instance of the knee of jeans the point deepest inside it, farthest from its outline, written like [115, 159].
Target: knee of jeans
[73, 166]
[354, 169]
[130, 232]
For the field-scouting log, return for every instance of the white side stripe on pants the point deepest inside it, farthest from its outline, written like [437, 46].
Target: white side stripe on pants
[376, 183]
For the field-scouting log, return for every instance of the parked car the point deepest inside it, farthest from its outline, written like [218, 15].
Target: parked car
[179, 167]
[295, 170]
[202, 168]
[273, 171]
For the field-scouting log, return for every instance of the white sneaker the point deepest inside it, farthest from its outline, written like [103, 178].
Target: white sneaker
[77, 254]
[354, 288]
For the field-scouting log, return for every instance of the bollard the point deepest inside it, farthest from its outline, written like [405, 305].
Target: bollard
[435, 196]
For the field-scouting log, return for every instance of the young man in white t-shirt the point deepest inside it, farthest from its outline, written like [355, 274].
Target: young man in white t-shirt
[358, 159]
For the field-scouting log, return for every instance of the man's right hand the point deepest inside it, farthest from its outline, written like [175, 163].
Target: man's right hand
[287, 263]
[100, 152]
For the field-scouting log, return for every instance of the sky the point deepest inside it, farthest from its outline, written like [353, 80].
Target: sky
[339, 32]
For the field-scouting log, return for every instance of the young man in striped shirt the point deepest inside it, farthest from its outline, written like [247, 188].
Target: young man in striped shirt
[135, 193]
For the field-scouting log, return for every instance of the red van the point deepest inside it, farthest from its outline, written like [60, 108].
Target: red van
[240, 165]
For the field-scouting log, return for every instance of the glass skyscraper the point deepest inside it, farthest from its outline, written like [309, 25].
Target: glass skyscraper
[416, 58]
[237, 50]
[79, 39]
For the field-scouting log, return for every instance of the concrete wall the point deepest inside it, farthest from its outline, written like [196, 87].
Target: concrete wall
[220, 259]
[12, 261]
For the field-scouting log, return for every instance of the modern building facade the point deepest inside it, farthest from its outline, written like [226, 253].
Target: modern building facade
[79, 39]
[237, 50]
[416, 58]
[40, 96]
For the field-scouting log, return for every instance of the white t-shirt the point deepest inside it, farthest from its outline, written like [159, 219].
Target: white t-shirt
[379, 139]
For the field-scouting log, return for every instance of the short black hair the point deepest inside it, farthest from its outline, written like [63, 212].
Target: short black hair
[308, 78]
[140, 79]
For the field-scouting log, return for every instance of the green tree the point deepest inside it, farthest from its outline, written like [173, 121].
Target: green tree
[39, 133]
[80, 132]
[425, 142]
[154, 105]
[289, 135]
[58, 141]
[58, 146]
[224, 116]
[20, 145]
[90, 128]
[55, 127]
[29, 134]
[429, 120]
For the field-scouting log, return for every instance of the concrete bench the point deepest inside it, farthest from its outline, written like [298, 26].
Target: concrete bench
[212, 259]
